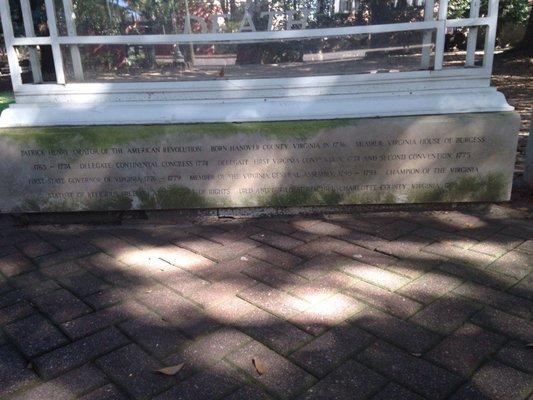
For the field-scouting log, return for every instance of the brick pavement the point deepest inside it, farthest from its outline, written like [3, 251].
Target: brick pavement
[398, 305]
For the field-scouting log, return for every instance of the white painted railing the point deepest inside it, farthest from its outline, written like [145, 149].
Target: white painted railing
[431, 89]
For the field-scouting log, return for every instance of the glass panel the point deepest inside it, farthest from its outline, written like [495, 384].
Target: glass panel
[455, 47]
[355, 54]
[133, 17]
[16, 18]
[43, 55]
[38, 13]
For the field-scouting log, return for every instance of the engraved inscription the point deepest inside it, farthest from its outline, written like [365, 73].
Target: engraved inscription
[372, 163]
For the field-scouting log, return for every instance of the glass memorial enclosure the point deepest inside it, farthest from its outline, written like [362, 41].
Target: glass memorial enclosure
[178, 104]
[77, 62]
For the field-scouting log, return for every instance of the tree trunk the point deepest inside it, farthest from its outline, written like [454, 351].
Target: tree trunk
[527, 41]
[232, 7]
[47, 58]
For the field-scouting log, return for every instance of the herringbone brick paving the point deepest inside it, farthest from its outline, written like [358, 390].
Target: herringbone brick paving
[399, 305]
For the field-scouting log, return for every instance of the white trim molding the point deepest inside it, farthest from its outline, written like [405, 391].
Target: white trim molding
[422, 102]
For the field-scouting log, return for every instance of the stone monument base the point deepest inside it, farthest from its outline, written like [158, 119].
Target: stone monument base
[415, 159]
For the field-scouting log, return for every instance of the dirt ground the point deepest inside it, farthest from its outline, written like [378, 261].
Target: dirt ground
[513, 76]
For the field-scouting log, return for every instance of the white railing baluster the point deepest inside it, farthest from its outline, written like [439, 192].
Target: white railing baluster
[56, 48]
[441, 34]
[471, 43]
[426, 41]
[12, 57]
[29, 31]
[490, 35]
[71, 30]
[443, 10]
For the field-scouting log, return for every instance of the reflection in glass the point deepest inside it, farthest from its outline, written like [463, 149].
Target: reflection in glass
[343, 55]
[130, 17]
[243, 59]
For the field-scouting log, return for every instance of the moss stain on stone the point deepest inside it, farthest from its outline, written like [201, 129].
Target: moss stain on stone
[43, 205]
[467, 188]
[52, 138]
[490, 188]
[370, 198]
[311, 197]
[30, 205]
[295, 197]
[118, 202]
[170, 197]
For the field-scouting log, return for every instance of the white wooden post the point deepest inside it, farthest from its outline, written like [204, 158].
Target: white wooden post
[71, 31]
[188, 26]
[490, 35]
[56, 49]
[29, 31]
[441, 34]
[472, 35]
[12, 58]
[426, 41]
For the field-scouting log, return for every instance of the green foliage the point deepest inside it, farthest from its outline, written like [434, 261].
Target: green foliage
[467, 188]
[97, 17]
[6, 98]
[512, 11]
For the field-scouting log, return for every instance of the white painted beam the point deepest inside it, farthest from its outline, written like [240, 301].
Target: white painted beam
[426, 41]
[422, 102]
[241, 37]
[56, 49]
[71, 31]
[399, 80]
[471, 43]
[465, 22]
[250, 37]
[32, 41]
[12, 57]
[441, 34]
[490, 35]
[443, 9]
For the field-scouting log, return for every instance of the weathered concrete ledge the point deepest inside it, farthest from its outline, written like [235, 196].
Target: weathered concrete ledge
[416, 159]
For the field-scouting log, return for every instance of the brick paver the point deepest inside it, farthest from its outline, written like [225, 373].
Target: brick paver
[497, 381]
[107, 392]
[133, 369]
[464, 350]
[68, 386]
[323, 354]
[14, 373]
[211, 383]
[79, 352]
[412, 371]
[61, 305]
[275, 332]
[388, 305]
[34, 335]
[351, 380]
[276, 367]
